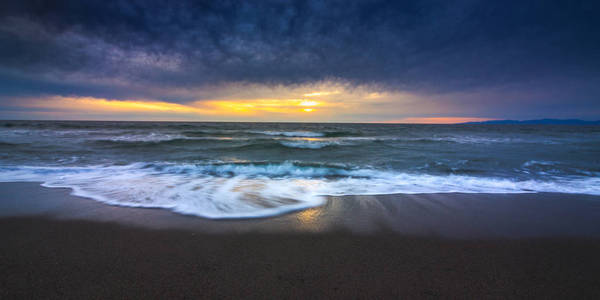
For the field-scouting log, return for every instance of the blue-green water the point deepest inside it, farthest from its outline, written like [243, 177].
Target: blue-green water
[224, 170]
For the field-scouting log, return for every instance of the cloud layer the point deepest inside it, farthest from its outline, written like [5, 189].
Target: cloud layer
[478, 53]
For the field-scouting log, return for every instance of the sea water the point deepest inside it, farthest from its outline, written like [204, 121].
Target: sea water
[244, 170]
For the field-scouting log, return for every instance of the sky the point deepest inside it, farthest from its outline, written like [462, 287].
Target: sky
[302, 61]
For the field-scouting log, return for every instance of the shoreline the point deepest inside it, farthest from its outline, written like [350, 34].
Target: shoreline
[450, 215]
[55, 245]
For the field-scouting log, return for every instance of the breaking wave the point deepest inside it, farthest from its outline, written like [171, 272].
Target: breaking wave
[249, 190]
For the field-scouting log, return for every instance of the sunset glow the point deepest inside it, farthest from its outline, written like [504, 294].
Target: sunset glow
[88, 104]
[308, 103]
[258, 106]
[286, 105]
[86, 107]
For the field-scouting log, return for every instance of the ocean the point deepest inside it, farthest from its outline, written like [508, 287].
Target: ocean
[248, 170]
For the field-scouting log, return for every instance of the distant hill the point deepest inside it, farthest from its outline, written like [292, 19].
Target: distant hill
[540, 121]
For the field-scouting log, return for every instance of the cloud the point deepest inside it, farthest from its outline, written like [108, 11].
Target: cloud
[182, 51]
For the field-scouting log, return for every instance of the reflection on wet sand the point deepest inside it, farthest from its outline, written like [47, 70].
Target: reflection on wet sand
[308, 219]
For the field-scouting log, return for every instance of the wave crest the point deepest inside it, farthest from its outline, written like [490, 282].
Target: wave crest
[290, 133]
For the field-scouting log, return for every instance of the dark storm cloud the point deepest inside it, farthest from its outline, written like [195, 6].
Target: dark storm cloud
[119, 48]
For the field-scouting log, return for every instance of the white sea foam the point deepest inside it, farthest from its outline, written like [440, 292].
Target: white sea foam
[146, 137]
[259, 190]
[310, 143]
[530, 163]
[290, 133]
[184, 189]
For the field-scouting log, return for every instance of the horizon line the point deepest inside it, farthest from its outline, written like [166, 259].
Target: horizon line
[296, 122]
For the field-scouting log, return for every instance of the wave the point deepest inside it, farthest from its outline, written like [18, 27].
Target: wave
[486, 140]
[162, 140]
[284, 143]
[290, 133]
[249, 190]
[289, 139]
[307, 134]
[138, 143]
[465, 139]
[210, 133]
[227, 143]
[556, 168]
[147, 137]
[531, 163]
[312, 144]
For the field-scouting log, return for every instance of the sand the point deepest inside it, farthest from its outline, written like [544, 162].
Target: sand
[413, 246]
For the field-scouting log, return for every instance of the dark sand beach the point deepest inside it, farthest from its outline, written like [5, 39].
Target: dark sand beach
[538, 245]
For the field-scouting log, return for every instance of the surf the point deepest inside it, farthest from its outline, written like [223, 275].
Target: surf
[252, 190]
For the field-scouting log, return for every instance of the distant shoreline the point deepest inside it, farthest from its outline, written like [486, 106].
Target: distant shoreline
[536, 122]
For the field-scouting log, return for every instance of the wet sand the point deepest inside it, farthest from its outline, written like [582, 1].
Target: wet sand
[419, 246]
[467, 216]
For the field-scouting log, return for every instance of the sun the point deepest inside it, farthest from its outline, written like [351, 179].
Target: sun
[308, 104]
